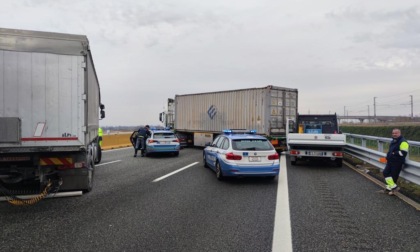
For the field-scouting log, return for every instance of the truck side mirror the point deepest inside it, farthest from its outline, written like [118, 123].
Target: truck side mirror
[291, 126]
[102, 114]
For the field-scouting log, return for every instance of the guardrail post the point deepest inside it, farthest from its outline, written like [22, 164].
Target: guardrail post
[380, 146]
[363, 142]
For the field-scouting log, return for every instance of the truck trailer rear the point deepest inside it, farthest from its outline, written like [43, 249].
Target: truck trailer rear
[203, 116]
[50, 106]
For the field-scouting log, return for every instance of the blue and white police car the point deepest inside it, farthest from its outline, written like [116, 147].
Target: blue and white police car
[162, 141]
[242, 153]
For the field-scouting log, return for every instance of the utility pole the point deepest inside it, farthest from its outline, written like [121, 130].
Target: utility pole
[344, 114]
[374, 109]
[368, 114]
[411, 106]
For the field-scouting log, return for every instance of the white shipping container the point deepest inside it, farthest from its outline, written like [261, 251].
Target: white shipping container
[265, 110]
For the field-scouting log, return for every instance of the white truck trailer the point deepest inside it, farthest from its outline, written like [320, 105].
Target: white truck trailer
[315, 137]
[203, 116]
[50, 106]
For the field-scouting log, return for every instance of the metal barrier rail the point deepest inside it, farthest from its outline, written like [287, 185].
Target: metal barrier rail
[357, 146]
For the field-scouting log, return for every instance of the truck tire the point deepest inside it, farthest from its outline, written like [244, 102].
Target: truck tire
[89, 178]
[339, 162]
[98, 155]
[293, 162]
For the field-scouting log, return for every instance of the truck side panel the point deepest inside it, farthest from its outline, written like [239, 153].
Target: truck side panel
[93, 94]
[218, 111]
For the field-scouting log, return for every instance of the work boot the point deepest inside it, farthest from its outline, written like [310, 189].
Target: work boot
[386, 191]
[135, 155]
[393, 191]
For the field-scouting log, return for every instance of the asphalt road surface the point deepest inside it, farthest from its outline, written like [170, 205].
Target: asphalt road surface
[167, 203]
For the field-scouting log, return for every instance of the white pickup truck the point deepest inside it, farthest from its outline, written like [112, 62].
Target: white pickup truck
[315, 137]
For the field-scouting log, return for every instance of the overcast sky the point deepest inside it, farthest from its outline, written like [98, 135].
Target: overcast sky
[338, 54]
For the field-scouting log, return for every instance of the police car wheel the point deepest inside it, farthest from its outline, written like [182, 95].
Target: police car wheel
[219, 174]
[204, 161]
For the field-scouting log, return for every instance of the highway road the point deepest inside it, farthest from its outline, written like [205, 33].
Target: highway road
[166, 203]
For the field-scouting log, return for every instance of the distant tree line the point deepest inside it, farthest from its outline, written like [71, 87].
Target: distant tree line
[409, 132]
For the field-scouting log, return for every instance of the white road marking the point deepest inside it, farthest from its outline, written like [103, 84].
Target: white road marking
[107, 163]
[174, 172]
[282, 235]
[117, 149]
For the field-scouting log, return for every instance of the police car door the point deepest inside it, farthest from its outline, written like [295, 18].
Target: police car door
[213, 151]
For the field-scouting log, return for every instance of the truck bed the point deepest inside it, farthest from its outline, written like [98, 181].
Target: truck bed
[312, 140]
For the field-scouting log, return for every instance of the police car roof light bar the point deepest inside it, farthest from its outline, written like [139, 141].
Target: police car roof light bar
[238, 131]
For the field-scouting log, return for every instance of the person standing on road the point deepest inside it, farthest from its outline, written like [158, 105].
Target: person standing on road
[133, 140]
[398, 150]
[100, 133]
[143, 134]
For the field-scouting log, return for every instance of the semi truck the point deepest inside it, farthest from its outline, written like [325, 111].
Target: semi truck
[315, 137]
[202, 116]
[50, 107]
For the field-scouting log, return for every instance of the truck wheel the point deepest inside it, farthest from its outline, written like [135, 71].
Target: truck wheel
[98, 155]
[293, 162]
[89, 178]
[339, 162]
[219, 173]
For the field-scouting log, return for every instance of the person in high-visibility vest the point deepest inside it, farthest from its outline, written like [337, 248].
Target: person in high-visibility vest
[100, 133]
[398, 150]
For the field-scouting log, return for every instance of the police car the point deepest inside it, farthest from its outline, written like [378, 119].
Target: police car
[241, 153]
[162, 141]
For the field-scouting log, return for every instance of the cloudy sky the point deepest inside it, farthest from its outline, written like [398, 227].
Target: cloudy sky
[338, 54]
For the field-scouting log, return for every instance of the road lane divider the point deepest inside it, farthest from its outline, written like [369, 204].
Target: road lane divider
[282, 235]
[111, 162]
[174, 172]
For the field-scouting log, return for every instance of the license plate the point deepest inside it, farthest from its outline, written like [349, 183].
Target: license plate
[313, 153]
[14, 159]
[254, 159]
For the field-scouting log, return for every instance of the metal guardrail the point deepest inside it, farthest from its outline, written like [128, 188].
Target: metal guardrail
[373, 150]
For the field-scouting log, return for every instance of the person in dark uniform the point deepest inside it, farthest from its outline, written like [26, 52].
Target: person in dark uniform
[142, 135]
[398, 150]
[133, 140]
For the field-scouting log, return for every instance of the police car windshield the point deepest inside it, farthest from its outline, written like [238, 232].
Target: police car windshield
[251, 144]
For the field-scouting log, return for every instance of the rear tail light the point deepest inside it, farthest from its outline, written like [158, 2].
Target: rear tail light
[294, 152]
[337, 154]
[176, 140]
[79, 165]
[231, 156]
[71, 166]
[152, 141]
[274, 156]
